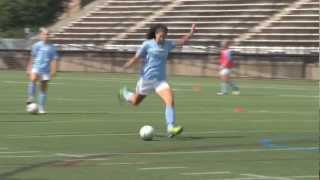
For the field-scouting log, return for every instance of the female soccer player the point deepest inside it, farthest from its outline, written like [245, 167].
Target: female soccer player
[227, 63]
[41, 67]
[153, 53]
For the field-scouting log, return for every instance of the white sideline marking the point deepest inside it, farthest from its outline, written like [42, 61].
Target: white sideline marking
[15, 136]
[18, 152]
[70, 155]
[187, 112]
[302, 177]
[298, 96]
[205, 173]
[170, 152]
[24, 82]
[266, 177]
[163, 168]
[122, 163]
[175, 83]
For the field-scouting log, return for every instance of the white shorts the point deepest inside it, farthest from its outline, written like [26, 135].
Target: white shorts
[144, 87]
[42, 76]
[225, 72]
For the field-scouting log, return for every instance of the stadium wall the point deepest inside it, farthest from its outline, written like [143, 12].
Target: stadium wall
[193, 64]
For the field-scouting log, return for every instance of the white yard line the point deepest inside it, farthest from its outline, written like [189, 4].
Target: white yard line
[266, 177]
[24, 82]
[303, 177]
[183, 112]
[61, 134]
[163, 168]
[205, 173]
[161, 153]
[122, 163]
[175, 83]
[298, 96]
[18, 152]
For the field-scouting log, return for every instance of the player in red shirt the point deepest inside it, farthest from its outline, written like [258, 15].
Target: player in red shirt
[227, 64]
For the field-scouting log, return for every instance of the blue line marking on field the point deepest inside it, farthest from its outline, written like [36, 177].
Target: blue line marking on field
[267, 143]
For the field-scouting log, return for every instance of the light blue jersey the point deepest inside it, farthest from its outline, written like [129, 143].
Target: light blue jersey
[42, 55]
[154, 57]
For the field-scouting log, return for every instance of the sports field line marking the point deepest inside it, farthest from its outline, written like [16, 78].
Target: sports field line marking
[292, 87]
[181, 112]
[18, 152]
[15, 136]
[164, 153]
[24, 82]
[266, 177]
[122, 163]
[298, 96]
[205, 173]
[163, 168]
[302, 177]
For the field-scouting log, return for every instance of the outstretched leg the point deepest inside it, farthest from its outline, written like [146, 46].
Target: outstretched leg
[167, 97]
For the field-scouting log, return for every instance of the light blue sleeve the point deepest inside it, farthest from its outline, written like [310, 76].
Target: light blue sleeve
[54, 53]
[143, 50]
[171, 44]
[34, 50]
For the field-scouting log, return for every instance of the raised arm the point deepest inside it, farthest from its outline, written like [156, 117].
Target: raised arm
[131, 61]
[185, 38]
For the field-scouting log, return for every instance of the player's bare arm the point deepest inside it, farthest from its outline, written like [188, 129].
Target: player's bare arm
[185, 38]
[131, 62]
[54, 67]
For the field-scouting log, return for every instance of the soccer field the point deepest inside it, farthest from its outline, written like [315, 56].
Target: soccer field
[269, 132]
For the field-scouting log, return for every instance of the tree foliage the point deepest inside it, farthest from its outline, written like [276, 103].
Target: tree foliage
[15, 15]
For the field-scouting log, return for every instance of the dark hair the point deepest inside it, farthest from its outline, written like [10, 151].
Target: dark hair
[155, 29]
[225, 44]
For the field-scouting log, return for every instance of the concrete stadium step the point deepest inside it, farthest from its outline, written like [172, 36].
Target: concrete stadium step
[221, 12]
[285, 36]
[282, 43]
[192, 2]
[185, 24]
[122, 13]
[232, 6]
[295, 23]
[112, 19]
[199, 42]
[314, 11]
[212, 18]
[130, 8]
[300, 17]
[297, 30]
[172, 29]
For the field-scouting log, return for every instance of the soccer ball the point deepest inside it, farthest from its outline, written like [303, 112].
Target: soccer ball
[32, 108]
[146, 132]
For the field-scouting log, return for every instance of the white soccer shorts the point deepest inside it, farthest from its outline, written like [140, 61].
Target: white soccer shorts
[225, 72]
[144, 87]
[42, 76]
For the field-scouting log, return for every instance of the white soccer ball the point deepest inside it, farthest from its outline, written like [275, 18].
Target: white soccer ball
[146, 132]
[32, 108]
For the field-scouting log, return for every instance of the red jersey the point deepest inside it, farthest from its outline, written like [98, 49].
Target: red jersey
[226, 59]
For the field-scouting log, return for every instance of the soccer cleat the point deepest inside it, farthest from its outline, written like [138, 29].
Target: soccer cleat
[42, 112]
[235, 92]
[30, 100]
[120, 94]
[174, 131]
[221, 93]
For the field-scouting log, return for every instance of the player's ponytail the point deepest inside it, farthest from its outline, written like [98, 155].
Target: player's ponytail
[151, 34]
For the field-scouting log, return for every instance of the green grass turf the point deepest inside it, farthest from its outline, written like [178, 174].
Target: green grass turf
[88, 135]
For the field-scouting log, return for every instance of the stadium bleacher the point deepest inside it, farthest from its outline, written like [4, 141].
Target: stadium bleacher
[250, 23]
